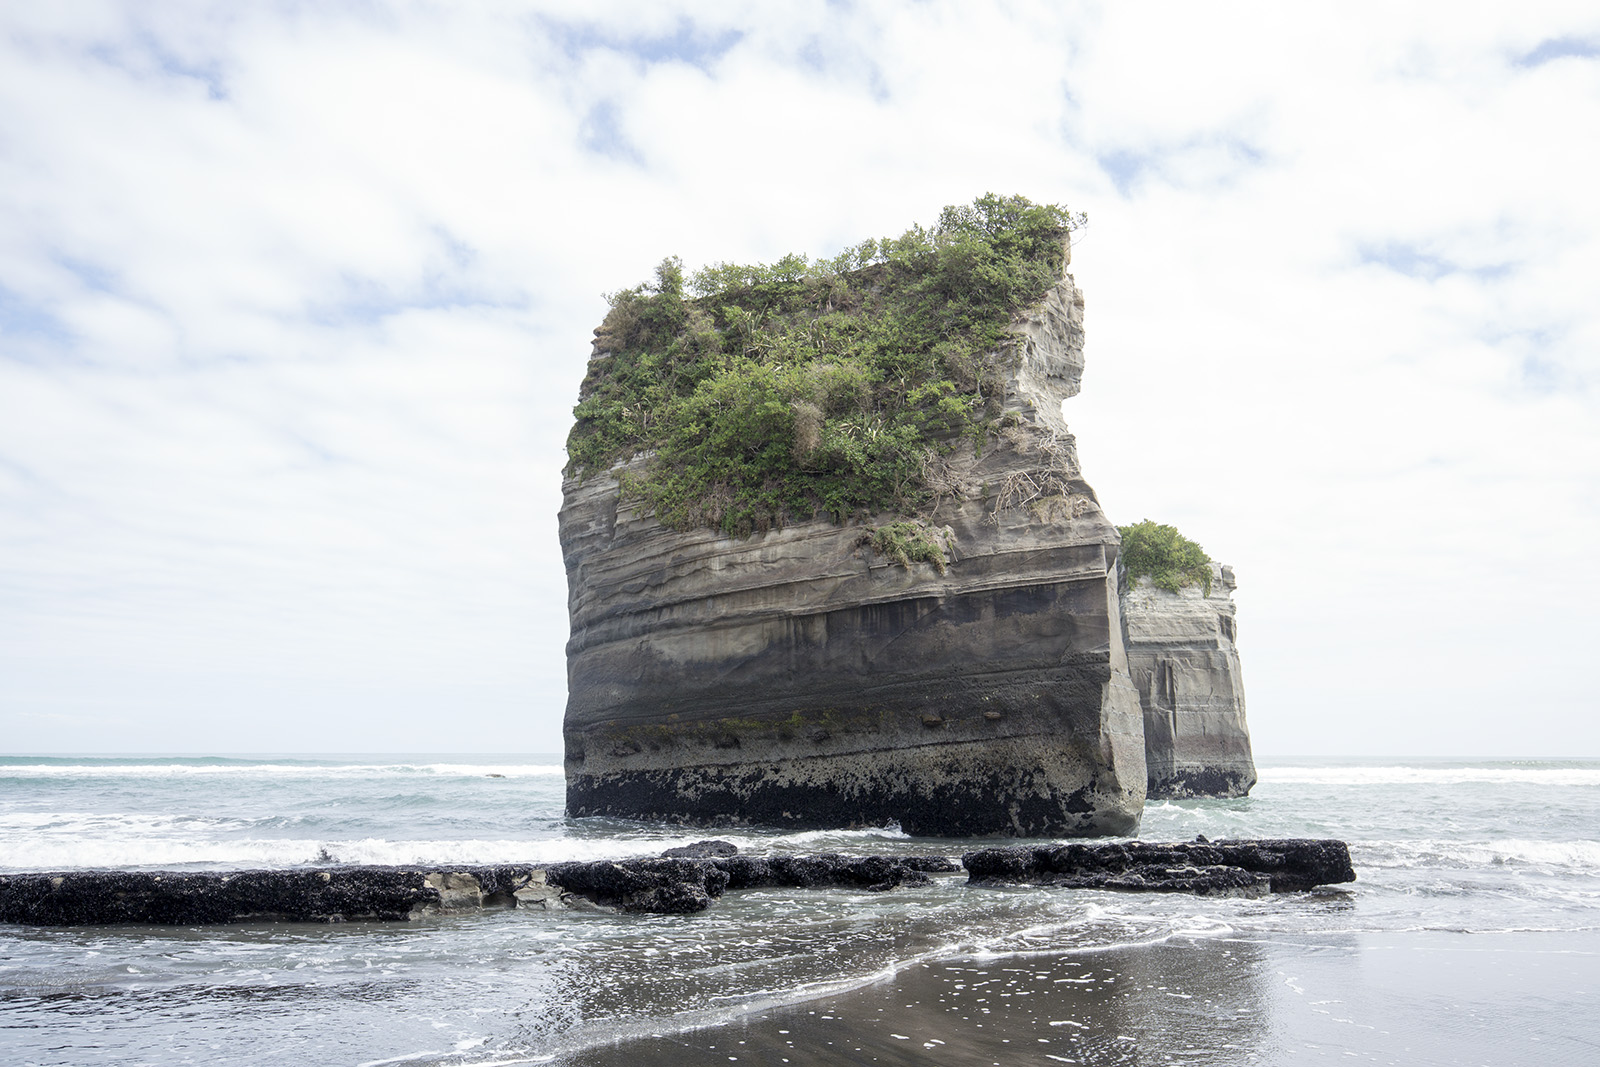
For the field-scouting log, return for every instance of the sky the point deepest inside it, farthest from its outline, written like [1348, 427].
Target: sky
[295, 299]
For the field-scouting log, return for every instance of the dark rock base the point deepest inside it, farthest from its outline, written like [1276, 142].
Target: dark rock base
[343, 894]
[947, 785]
[676, 885]
[1199, 782]
[668, 885]
[679, 884]
[1247, 867]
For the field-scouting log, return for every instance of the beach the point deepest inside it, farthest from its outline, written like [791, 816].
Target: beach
[1419, 998]
[1469, 937]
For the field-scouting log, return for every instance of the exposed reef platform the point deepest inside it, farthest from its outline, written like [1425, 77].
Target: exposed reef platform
[1234, 868]
[682, 882]
[800, 678]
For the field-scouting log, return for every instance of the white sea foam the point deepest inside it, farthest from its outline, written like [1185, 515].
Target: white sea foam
[813, 839]
[77, 840]
[1551, 774]
[163, 769]
[1568, 857]
[53, 853]
[23, 851]
[121, 825]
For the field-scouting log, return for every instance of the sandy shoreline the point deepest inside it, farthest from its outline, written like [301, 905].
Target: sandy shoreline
[1405, 998]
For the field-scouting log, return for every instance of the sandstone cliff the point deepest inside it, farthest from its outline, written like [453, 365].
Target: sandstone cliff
[799, 678]
[1183, 660]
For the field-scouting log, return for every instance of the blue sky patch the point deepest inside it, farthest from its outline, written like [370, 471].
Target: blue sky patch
[364, 301]
[687, 43]
[826, 57]
[601, 133]
[144, 53]
[92, 276]
[1415, 262]
[20, 318]
[1127, 167]
[1559, 48]
[1542, 375]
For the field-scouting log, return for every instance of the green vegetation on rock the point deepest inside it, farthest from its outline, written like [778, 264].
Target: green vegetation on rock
[808, 388]
[1170, 559]
[907, 542]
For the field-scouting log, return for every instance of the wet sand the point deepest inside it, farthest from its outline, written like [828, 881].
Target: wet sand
[1419, 998]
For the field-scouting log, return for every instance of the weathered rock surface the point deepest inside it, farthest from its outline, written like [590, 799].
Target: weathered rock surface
[664, 885]
[1183, 660]
[873, 873]
[702, 850]
[1247, 868]
[339, 894]
[797, 679]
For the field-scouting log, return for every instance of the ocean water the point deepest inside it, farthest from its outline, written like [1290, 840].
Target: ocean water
[1471, 936]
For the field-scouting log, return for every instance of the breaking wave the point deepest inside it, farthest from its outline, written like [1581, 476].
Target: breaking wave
[43, 768]
[1511, 772]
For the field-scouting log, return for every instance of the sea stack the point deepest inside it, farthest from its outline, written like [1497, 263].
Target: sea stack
[1183, 660]
[958, 671]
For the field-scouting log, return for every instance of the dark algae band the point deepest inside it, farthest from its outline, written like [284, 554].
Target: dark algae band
[684, 881]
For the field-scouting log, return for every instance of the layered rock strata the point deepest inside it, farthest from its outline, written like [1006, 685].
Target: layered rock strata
[671, 884]
[797, 678]
[1183, 660]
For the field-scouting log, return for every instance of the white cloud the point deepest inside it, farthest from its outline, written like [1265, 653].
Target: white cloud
[295, 302]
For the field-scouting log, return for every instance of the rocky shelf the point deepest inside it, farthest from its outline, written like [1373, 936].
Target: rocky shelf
[681, 881]
[1247, 868]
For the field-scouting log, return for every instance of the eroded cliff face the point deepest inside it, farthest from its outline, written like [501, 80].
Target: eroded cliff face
[797, 678]
[1183, 660]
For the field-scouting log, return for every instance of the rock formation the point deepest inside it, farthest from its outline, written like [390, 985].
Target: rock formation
[1229, 868]
[673, 884]
[338, 894]
[799, 678]
[1183, 661]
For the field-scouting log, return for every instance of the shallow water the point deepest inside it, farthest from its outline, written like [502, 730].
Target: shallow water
[1469, 871]
[1406, 998]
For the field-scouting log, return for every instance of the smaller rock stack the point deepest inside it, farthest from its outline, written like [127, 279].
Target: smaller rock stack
[1183, 661]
